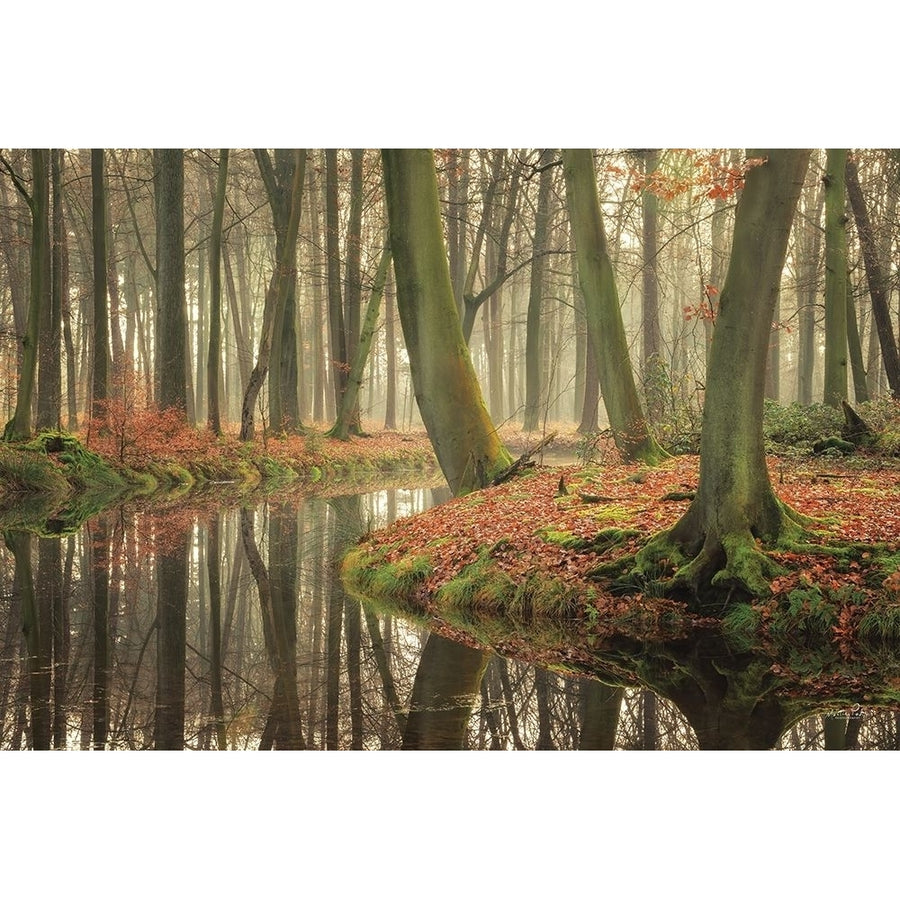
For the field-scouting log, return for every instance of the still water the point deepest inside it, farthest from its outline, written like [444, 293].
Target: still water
[208, 628]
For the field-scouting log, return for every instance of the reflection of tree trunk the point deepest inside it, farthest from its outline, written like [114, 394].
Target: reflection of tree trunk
[835, 729]
[489, 715]
[542, 689]
[276, 599]
[511, 715]
[600, 706]
[353, 635]
[172, 589]
[213, 556]
[36, 627]
[384, 670]
[9, 661]
[648, 721]
[99, 556]
[333, 666]
[444, 692]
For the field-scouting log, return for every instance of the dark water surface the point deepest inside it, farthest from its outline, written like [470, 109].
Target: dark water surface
[128, 636]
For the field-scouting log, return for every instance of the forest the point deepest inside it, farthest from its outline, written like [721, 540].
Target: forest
[650, 395]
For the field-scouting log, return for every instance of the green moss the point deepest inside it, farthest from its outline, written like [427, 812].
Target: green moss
[740, 626]
[478, 587]
[881, 625]
[369, 577]
[603, 540]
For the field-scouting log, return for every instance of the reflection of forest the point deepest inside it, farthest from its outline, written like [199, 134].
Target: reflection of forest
[125, 637]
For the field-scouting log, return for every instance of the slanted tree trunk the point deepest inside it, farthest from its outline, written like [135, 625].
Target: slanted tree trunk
[604, 318]
[464, 439]
[275, 299]
[835, 279]
[876, 278]
[735, 504]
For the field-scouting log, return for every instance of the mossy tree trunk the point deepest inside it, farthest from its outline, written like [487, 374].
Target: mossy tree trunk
[50, 360]
[604, 318]
[20, 426]
[735, 504]
[835, 279]
[447, 390]
[349, 411]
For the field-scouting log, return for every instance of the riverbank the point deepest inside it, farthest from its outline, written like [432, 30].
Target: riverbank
[65, 478]
[538, 548]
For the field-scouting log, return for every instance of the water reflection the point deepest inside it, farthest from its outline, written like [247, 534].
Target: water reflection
[206, 628]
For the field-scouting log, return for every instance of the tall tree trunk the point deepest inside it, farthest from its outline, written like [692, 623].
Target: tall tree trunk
[390, 341]
[214, 354]
[651, 360]
[49, 386]
[604, 318]
[808, 288]
[835, 279]
[447, 390]
[59, 285]
[535, 379]
[100, 336]
[336, 332]
[171, 315]
[353, 273]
